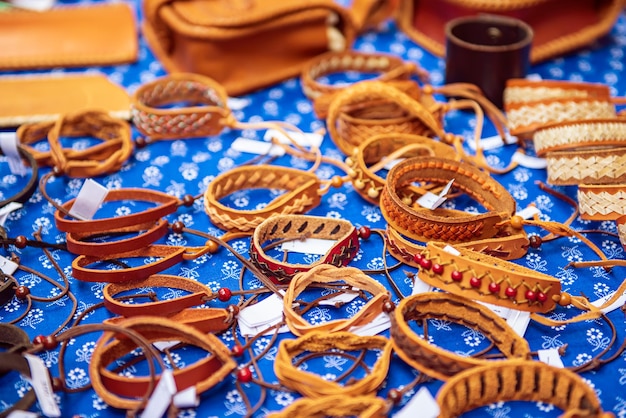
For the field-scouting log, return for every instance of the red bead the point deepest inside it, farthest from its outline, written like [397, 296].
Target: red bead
[475, 282]
[542, 297]
[417, 258]
[237, 350]
[437, 268]
[394, 395]
[456, 275]
[530, 295]
[535, 241]
[364, 232]
[38, 340]
[244, 375]
[188, 200]
[50, 342]
[494, 287]
[510, 292]
[388, 306]
[178, 227]
[21, 292]
[425, 263]
[224, 294]
[20, 241]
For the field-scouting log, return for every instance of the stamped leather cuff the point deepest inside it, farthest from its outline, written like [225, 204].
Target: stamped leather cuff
[519, 380]
[324, 274]
[202, 117]
[303, 194]
[602, 202]
[289, 227]
[384, 148]
[442, 224]
[439, 362]
[121, 391]
[314, 386]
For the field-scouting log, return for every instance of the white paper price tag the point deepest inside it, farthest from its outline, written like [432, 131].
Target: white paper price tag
[7, 266]
[257, 318]
[42, 385]
[392, 163]
[36, 5]
[613, 306]
[89, 199]
[309, 246]
[164, 345]
[162, 395]
[420, 286]
[422, 405]
[252, 146]
[534, 77]
[529, 161]
[376, 326]
[340, 298]
[22, 414]
[237, 103]
[187, 398]
[551, 356]
[528, 212]
[8, 145]
[493, 142]
[304, 139]
[518, 320]
[432, 201]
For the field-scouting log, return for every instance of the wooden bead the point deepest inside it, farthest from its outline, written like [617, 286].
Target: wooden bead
[177, 227]
[517, 222]
[336, 182]
[188, 200]
[21, 241]
[244, 375]
[21, 292]
[364, 232]
[213, 247]
[237, 350]
[224, 294]
[57, 171]
[535, 241]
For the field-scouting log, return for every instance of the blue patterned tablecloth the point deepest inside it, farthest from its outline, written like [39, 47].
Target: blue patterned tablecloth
[188, 166]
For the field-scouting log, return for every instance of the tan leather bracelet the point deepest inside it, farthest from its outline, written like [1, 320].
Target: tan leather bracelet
[573, 135]
[436, 361]
[595, 165]
[289, 227]
[303, 193]
[313, 386]
[522, 90]
[336, 406]
[204, 118]
[325, 274]
[602, 202]
[119, 391]
[519, 380]
[441, 224]
[386, 147]
[205, 320]
[368, 108]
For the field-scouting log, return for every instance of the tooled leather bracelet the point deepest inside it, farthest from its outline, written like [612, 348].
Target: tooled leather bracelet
[384, 148]
[290, 227]
[336, 406]
[313, 386]
[303, 194]
[203, 117]
[368, 108]
[519, 380]
[121, 391]
[441, 224]
[434, 360]
[325, 274]
[31, 185]
[602, 202]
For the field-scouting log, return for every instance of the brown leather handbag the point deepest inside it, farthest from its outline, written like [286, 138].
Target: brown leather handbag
[245, 44]
[559, 26]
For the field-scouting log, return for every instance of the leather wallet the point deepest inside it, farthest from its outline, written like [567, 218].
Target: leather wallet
[71, 36]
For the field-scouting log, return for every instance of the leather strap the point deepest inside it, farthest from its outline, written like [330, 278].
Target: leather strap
[436, 361]
[522, 90]
[353, 278]
[165, 205]
[302, 194]
[290, 227]
[7, 288]
[13, 338]
[573, 135]
[602, 202]
[205, 320]
[336, 406]
[592, 165]
[31, 185]
[203, 117]
[16, 362]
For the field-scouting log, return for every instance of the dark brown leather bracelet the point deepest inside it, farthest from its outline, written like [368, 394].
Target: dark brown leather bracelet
[16, 362]
[7, 288]
[29, 188]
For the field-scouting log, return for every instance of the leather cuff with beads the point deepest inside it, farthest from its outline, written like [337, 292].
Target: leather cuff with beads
[353, 279]
[313, 386]
[489, 279]
[436, 361]
[399, 209]
[519, 380]
[602, 202]
[369, 108]
[388, 67]
[303, 194]
[369, 156]
[293, 227]
[203, 117]
[104, 157]
[121, 391]
[336, 406]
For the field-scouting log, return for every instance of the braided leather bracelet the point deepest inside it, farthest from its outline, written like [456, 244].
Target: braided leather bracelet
[590, 166]
[522, 90]
[602, 202]
[289, 227]
[386, 148]
[441, 224]
[325, 274]
[336, 406]
[303, 194]
[572, 135]
[120, 391]
[203, 118]
[521, 380]
[436, 361]
[313, 386]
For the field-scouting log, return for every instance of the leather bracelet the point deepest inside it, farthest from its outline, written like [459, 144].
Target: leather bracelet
[602, 202]
[325, 274]
[520, 380]
[441, 224]
[594, 165]
[13, 339]
[203, 118]
[436, 361]
[16, 362]
[303, 194]
[521, 90]
[488, 279]
[7, 288]
[572, 135]
[368, 108]
[313, 386]
[117, 390]
[289, 227]
[165, 205]
[621, 229]
[336, 406]
[380, 148]
[31, 185]
[205, 320]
